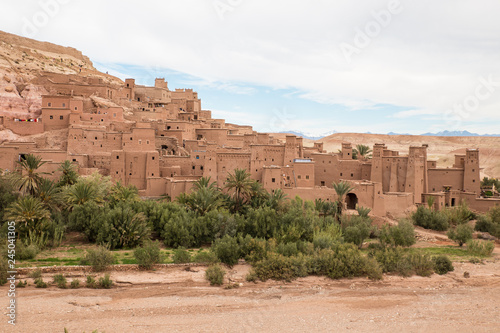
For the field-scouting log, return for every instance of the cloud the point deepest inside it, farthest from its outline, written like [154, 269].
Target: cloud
[426, 60]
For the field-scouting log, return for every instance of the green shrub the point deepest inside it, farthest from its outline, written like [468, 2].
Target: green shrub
[372, 269]
[254, 249]
[401, 235]
[430, 219]
[22, 284]
[460, 214]
[461, 234]
[421, 263]
[4, 268]
[181, 256]
[480, 248]
[215, 275]
[251, 276]
[485, 223]
[90, 282]
[99, 258]
[75, 284]
[279, 267]
[35, 274]
[148, 255]
[123, 227]
[39, 283]
[288, 249]
[323, 240]
[24, 252]
[356, 229]
[205, 257]
[60, 281]
[390, 259]
[442, 265]
[227, 250]
[105, 282]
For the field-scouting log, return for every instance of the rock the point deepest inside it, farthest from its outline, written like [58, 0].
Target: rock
[9, 89]
[466, 275]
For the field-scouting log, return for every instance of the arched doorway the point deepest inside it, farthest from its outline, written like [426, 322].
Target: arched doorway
[351, 200]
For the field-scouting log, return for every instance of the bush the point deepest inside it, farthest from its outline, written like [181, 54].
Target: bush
[123, 228]
[430, 219]
[215, 275]
[205, 257]
[99, 258]
[459, 215]
[148, 255]
[254, 249]
[323, 240]
[356, 229]
[105, 282]
[35, 274]
[251, 276]
[485, 223]
[401, 235]
[279, 267]
[39, 283]
[4, 268]
[288, 249]
[461, 234]
[372, 269]
[24, 252]
[480, 248]
[227, 250]
[60, 281]
[442, 265]
[390, 259]
[90, 282]
[181, 256]
[22, 284]
[75, 284]
[421, 263]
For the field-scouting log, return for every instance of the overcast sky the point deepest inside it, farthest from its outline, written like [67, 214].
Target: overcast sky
[313, 66]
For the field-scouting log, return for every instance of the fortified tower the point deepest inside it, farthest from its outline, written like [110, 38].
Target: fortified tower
[416, 172]
[472, 181]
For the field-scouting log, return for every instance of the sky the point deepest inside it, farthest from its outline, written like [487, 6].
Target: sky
[315, 66]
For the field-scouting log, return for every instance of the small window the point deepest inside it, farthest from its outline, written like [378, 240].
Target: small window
[74, 160]
[140, 142]
[117, 157]
[51, 117]
[64, 105]
[299, 177]
[273, 180]
[193, 167]
[352, 175]
[50, 104]
[341, 174]
[197, 157]
[130, 138]
[307, 176]
[117, 172]
[153, 158]
[96, 137]
[114, 115]
[76, 108]
[61, 117]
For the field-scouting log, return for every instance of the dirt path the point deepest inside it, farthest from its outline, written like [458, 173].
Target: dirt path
[176, 300]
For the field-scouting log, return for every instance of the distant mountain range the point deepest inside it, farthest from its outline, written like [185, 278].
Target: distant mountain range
[442, 133]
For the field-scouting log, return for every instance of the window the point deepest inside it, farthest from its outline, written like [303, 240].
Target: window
[193, 167]
[64, 105]
[96, 137]
[114, 115]
[299, 177]
[50, 104]
[61, 117]
[153, 158]
[140, 142]
[307, 176]
[201, 167]
[352, 175]
[76, 108]
[273, 180]
[197, 157]
[51, 117]
[341, 174]
[74, 160]
[117, 157]
[322, 183]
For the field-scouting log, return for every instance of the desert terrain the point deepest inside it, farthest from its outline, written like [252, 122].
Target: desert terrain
[177, 298]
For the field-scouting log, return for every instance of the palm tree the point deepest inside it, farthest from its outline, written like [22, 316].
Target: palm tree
[204, 182]
[80, 193]
[258, 195]
[362, 151]
[276, 199]
[29, 212]
[204, 200]
[69, 174]
[341, 188]
[239, 185]
[49, 194]
[124, 193]
[27, 179]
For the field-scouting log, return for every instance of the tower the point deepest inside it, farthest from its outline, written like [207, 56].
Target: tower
[472, 181]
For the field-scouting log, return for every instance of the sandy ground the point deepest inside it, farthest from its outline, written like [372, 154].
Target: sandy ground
[178, 299]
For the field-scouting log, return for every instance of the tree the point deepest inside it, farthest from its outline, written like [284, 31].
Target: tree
[203, 200]
[341, 188]
[239, 185]
[121, 193]
[276, 199]
[362, 151]
[30, 213]
[80, 193]
[461, 234]
[49, 194]
[69, 174]
[28, 179]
